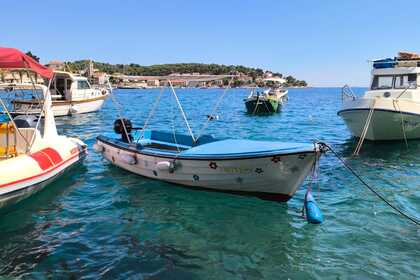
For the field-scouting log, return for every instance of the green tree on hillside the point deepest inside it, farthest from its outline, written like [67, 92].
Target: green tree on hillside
[29, 53]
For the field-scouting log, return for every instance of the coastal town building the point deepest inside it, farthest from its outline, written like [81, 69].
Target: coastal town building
[56, 65]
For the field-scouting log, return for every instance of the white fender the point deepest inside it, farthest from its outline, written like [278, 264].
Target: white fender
[165, 166]
[98, 148]
[129, 159]
[73, 110]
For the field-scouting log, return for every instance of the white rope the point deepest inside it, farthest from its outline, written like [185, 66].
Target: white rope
[365, 129]
[213, 112]
[396, 105]
[182, 111]
[256, 104]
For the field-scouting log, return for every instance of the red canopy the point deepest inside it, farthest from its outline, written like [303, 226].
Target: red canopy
[11, 58]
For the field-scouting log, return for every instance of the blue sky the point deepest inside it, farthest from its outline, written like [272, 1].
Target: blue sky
[327, 43]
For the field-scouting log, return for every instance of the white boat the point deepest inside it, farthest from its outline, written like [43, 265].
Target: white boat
[269, 170]
[71, 94]
[32, 153]
[390, 109]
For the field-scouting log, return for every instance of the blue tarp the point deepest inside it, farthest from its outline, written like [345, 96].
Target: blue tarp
[384, 63]
[235, 148]
[212, 148]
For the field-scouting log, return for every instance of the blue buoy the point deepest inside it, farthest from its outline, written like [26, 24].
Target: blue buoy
[313, 213]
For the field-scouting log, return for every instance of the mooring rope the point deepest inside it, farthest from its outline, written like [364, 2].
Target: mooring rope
[365, 129]
[403, 214]
[396, 105]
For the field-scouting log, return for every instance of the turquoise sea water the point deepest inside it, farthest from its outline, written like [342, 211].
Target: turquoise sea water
[99, 221]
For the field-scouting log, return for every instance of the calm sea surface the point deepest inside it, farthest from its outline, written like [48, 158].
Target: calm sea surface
[99, 221]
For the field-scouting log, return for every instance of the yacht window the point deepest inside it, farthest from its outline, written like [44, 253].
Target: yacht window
[382, 82]
[406, 81]
[83, 85]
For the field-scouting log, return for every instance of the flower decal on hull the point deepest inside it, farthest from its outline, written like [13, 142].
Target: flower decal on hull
[259, 170]
[213, 165]
[276, 159]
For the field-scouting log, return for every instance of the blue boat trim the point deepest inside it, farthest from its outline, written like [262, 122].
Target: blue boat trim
[381, 110]
[194, 153]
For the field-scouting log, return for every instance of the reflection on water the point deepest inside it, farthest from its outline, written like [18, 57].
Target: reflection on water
[101, 221]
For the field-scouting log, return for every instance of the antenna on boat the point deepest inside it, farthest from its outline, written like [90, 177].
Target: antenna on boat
[182, 111]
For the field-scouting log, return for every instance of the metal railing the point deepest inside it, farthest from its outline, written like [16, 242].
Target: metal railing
[347, 93]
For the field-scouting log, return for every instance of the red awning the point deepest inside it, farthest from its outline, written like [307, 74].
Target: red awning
[11, 58]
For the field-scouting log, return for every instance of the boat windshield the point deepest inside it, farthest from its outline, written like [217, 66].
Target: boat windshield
[394, 81]
[81, 84]
[406, 81]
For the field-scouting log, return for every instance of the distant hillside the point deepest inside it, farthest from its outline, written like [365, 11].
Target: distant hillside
[167, 69]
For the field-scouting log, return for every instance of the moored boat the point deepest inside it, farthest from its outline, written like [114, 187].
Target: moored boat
[269, 170]
[390, 109]
[32, 153]
[267, 101]
[71, 94]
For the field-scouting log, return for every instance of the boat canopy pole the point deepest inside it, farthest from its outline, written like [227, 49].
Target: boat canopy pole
[216, 106]
[182, 111]
[13, 122]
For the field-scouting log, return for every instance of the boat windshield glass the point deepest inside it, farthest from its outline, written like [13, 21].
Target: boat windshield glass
[382, 82]
[83, 85]
[406, 81]
[396, 82]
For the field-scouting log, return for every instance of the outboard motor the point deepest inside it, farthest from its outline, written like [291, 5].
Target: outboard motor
[119, 125]
[25, 121]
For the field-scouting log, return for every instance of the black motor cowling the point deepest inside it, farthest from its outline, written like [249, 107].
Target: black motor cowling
[124, 127]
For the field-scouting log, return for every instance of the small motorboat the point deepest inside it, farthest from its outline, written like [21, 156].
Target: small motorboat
[32, 153]
[269, 170]
[71, 94]
[390, 109]
[267, 101]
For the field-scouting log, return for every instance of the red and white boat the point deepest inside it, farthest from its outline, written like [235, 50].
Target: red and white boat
[32, 153]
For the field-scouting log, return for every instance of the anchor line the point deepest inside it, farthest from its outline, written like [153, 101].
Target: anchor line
[351, 170]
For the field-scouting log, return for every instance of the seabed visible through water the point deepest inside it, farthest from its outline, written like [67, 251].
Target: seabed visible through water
[101, 221]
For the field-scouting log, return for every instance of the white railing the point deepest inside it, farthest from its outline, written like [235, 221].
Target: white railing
[347, 93]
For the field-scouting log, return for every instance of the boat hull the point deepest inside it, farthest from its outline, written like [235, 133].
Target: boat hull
[28, 174]
[14, 197]
[61, 108]
[390, 120]
[274, 177]
[261, 106]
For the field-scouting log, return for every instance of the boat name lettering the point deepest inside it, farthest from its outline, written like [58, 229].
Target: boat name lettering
[236, 169]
